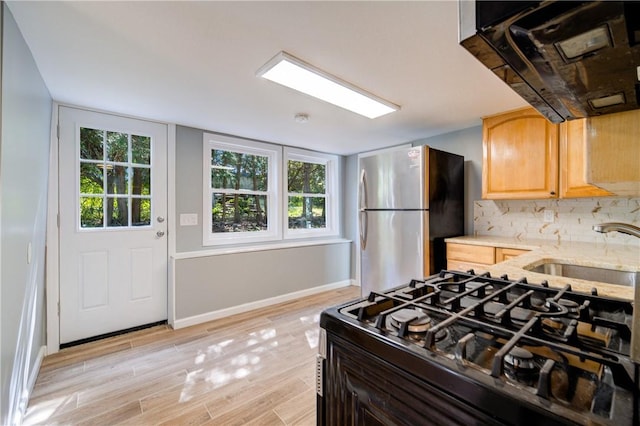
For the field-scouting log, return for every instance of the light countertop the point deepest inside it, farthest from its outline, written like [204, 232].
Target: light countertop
[612, 256]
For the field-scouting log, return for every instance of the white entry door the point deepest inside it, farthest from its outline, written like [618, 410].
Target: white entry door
[112, 207]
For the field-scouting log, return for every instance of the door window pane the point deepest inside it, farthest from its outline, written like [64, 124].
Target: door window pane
[141, 149]
[140, 212]
[307, 178]
[238, 213]
[117, 212]
[307, 212]
[141, 181]
[91, 212]
[91, 147]
[91, 178]
[117, 147]
[117, 180]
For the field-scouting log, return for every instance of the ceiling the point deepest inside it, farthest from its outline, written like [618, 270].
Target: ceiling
[194, 64]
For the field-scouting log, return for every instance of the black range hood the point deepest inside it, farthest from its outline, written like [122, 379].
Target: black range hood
[568, 59]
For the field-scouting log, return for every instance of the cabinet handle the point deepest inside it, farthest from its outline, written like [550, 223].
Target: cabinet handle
[553, 193]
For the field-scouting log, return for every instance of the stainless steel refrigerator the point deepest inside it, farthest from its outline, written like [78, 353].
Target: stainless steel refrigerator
[410, 200]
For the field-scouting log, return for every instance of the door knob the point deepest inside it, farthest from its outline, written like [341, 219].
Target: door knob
[160, 219]
[160, 234]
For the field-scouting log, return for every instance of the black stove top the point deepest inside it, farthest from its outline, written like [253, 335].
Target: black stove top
[564, 351]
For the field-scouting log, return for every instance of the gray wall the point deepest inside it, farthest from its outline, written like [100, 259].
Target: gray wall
[350, 203]
[209, 283]
[217, 282]
[188, 187]
[24, 166]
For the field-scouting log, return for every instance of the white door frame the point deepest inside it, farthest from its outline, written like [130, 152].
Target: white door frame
[52, 274]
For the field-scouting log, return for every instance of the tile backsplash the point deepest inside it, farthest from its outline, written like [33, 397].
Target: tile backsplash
[572, 218]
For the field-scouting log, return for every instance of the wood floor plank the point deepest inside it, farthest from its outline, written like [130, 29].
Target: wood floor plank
[260, 404]
[196, 416]
[114, 416]
[269, 418]
[294, 410]
[256, 368]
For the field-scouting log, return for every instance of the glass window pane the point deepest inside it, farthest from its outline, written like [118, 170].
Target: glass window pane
[141, 149]
[117, 212]
[234, 170]
[140, 212]
[91, 212]
[91, 144]
[91, 178]
[238, 213]
[308, 178]
[117, 147]
[141, 181]
[117, 180]
[307, 212]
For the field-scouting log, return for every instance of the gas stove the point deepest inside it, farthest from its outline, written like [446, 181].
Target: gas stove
[486, 350]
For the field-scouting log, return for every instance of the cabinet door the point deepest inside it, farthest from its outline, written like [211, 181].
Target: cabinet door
[503, 254]
[461, 265]
[470, 253]
[519, 156]
[613, 152]
[573, 141]
[364, 390]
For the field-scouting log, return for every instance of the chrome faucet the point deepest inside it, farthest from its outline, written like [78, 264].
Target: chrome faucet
[625, 228]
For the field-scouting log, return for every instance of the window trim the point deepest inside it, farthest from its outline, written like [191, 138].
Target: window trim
[331, 193]
[277, 193]
[274, 155]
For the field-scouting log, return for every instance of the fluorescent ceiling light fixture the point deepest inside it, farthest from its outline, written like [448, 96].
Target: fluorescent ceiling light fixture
[294, 73]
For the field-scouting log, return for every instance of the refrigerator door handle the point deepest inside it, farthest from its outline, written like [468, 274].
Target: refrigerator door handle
[363, 229]
[363, 190]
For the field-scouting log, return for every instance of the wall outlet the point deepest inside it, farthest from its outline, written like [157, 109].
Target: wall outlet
[549, 216]
[188, 219]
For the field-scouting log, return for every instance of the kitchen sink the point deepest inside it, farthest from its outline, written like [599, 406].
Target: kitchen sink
[590, 273]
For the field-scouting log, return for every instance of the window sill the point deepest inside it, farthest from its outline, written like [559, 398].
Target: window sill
[261, 247]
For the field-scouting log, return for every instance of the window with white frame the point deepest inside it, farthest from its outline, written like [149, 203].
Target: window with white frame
[241, 184]
[311, 199]
[245, 200]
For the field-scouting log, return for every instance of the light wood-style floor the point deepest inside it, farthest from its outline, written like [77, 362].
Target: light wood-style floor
[253, 368]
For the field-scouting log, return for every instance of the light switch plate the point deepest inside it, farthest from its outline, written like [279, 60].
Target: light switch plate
[188, 219]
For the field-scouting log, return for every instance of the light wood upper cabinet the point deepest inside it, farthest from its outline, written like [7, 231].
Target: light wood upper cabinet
[613, 152]
[519, 156]
[573, 142]
[527, 157]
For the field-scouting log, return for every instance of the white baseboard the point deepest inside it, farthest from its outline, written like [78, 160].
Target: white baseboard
[22, 401]
[33, 375]
[245, 307]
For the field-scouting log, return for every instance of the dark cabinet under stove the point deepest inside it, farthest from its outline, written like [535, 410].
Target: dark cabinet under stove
[367, 391]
